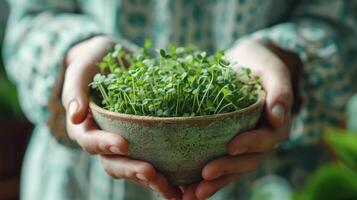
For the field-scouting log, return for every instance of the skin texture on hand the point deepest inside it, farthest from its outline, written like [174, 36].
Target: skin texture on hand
[81, 61]
[247, 149]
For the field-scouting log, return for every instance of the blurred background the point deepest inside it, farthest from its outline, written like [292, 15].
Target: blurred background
[14, 129]
[334, 180]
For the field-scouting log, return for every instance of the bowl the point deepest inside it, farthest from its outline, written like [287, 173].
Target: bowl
[179, 147]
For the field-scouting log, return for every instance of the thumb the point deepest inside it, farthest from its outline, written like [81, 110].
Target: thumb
[75, 91]
[279, 100]
[275, 77]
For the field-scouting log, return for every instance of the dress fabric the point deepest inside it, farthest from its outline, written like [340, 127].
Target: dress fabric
[40, 32]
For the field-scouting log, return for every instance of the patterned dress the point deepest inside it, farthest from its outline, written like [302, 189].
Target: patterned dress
[40, 32]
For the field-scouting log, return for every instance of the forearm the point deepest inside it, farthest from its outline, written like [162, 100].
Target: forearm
[34, 59]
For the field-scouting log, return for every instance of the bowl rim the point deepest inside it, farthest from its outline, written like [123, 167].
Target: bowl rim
[252, 108]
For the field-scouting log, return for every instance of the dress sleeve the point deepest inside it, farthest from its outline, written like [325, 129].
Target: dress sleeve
[323, 35]
[39, 33]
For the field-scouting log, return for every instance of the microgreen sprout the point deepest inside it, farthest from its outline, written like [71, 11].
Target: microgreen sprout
[178, 81]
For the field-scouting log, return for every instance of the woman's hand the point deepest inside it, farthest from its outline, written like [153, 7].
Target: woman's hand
[246, 149]
[81, 61]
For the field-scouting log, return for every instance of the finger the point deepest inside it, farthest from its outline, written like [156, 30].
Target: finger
[164, 188]
[75, 90]
[208, 188]
[82, 59]
[123, 167]
[277, 83]
[96, 141]
[231, 165]
[146, 185]
[189, 192]
[258, 140]
[279, 97]
[275, 77]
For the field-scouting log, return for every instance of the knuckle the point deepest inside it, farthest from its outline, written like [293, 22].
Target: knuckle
[235, 141]
[89, 150]
[108, 169]
[110, 172]
[130, 174]
[119, 141]
[144, 168]
[103, 146]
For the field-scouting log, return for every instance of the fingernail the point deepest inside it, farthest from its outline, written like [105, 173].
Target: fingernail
[240, 151]
[141, 177]
[279, 112]
[73, 107]
[115, 150]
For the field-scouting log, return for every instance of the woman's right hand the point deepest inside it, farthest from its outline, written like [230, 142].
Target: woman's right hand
[112, 148]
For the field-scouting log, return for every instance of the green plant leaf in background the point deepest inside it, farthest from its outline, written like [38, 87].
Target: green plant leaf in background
[335, 181]
[344, 143]
[9, 106]
[331, 182]
[8, 98]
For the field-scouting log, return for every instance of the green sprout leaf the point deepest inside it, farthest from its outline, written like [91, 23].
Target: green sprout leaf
[162, 53]
[147, 44]
[177, 81]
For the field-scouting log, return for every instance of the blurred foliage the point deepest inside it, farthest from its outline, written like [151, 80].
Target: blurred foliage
[9, 106]
[351, 112]
[331, 182]
[344, 144]
[335, 181]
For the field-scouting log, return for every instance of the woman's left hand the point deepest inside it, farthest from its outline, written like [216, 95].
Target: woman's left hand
[247, 149]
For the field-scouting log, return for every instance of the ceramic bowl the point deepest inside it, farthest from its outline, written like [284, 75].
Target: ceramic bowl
[179, 147]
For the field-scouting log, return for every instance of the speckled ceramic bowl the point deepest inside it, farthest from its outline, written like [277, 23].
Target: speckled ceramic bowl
[179, 147]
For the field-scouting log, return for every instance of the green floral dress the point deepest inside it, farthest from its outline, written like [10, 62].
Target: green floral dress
[40, 32]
